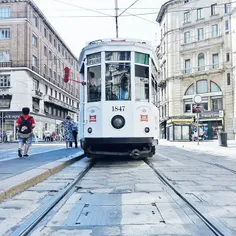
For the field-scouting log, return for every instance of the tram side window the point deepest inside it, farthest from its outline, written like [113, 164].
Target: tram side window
[94, 84]
[118, 86]
[154, 91]
[141, 83]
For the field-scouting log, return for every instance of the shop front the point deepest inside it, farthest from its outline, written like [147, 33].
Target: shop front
[179, 128]
[7, 125]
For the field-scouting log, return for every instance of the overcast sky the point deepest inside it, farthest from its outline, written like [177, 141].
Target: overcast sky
[66, 18]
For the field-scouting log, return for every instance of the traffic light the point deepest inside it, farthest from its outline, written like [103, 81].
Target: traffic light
[67, 74]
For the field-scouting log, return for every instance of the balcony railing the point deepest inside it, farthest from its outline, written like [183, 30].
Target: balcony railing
[214, 68]
[50, 99]
[6, 64]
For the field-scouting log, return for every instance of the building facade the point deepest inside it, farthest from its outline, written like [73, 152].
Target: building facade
[195, 59]
[32, 61]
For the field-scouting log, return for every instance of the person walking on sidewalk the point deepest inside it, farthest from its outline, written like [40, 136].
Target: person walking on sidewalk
[67, 125]
[25, 125]
[75, 133]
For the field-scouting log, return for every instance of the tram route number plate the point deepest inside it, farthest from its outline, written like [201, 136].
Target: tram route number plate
[118, 108]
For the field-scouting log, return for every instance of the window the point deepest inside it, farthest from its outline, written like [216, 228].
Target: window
[45, 32]
[188, 105]
[202, 86]
[187, 37]
[55, 75]
[55, 43]
[215, 87]
[51, 91]
[213, 9]
[214, 30]
[118, 83]
[201, 62]
[190, 90]
[117, 56]
[141, 83]
[200, 34]
[34, 61]
[5, 12]
[50, 55]
[55, 94]
[216, 104]
[5, 81]
[45, 51]
[55, 60]
[46, 89]
[35, 21]
[59, 47]
[199, 13]
[45, 69]
[215, 61]
[228, 78]
[141, 58]
[35, 84]
[94, 84]
[34, 41]
[186, 17]
[226, 8]
[227, 57]
[226, 25]
[50, 72]
[4, 33]
[4, 56]
[187, 66]
[50, 38]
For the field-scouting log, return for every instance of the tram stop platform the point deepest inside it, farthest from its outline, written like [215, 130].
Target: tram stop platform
[18, 174]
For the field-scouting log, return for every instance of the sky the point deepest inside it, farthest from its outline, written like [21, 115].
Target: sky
[81, 21]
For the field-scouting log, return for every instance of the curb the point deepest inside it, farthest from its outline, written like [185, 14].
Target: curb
[19, 183]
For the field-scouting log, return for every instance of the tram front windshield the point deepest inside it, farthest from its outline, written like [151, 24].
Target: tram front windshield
[118, 82]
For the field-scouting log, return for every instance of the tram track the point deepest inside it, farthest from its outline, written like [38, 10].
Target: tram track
[31, 223]
[209, 224]
[206, 162]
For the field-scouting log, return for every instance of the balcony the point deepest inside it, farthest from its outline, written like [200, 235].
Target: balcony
[5, 64]
[37, 94]
[35, 69]
[195, 44]
[50, 99]
[208, 69]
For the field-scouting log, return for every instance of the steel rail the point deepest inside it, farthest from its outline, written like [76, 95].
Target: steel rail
[40, 214]
[212, 227]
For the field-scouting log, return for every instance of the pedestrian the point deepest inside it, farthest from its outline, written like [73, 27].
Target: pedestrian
[75, 133]
[25, 125]
[68, 136]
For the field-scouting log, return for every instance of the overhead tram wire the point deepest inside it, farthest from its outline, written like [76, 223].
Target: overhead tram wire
[128, 8]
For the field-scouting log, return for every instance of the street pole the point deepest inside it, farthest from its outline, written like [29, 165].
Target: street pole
[116, 17]
[197, 131]
[2, 126]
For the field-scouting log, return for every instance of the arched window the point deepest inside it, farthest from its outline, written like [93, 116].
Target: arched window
[215, 87]
[201, 62]
[190, 90]
[202, 86]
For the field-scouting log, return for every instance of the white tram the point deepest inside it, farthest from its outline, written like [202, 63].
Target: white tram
[118, 113]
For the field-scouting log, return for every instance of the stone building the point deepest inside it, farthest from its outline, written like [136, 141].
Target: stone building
[195, 61]
[32, 61]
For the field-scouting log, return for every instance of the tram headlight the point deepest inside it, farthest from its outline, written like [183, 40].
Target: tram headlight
[118, 122]
[147, 130]
[90, 130]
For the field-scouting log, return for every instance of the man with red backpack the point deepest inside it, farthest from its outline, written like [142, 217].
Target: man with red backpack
[25, 125]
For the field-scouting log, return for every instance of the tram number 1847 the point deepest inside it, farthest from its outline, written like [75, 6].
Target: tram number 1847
[118, 108]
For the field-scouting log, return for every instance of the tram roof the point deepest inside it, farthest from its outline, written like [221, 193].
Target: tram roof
[115, 41]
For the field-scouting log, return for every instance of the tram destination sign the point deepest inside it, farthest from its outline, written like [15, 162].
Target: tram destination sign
[94, 59]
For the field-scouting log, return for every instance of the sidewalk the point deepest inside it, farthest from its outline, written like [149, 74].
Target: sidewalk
[210, 147]
[18, 174]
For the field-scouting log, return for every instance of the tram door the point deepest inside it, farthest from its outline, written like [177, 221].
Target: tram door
[82, 108]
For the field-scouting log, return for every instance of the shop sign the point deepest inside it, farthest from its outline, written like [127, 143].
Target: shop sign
[221, 113]
[209, 114]
[11, 115]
